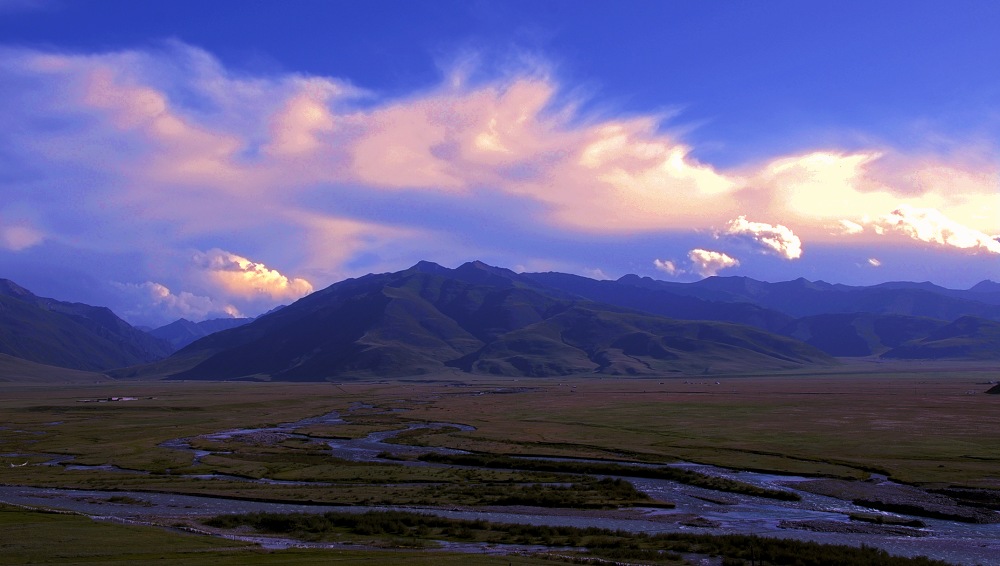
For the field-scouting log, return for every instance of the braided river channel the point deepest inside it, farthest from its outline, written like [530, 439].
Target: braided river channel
[815, 517]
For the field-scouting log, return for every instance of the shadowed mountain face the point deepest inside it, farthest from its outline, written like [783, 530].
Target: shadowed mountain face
[70, 335]
[838, 319]
[475, 318]
[631, 292]
[182, 332]
[859, 334]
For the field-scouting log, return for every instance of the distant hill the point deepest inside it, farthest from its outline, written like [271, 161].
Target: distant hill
[70, 335]
[800, 298]
[636, 293]
[967, 338]
[475, 318]
[840, 320]
[182, 331]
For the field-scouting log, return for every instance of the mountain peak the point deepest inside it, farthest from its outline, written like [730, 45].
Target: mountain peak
[986, 286]
[630, 278]
[428, 267]
[476, 264]
[482, 272]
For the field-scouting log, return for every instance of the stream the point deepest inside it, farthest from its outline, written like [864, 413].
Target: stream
[697, 510]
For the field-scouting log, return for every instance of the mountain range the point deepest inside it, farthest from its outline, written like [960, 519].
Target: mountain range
[182, 331]
[477, 319]
[487, 320]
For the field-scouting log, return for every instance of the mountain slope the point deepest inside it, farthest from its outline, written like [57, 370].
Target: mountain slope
[475, 318]
[593, 338]
[967, 338]
[19, 370]
[71, 335]
[859, 334]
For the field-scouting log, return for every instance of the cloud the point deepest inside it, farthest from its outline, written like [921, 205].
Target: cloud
[708, 263]
[849, 227]
[667, 266]
[596, 273]
[930, 225]
[18, 237]
[155, 151]
[777, 239]
[182, 124]
[247, 279]
[154, 302]
[874, 262]
[509, 136]
[813, 189]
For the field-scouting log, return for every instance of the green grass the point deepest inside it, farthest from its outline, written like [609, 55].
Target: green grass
[822, 424]
[916, 427]
[603, 544]
[32, 537]
[919, 427]
[661, 472]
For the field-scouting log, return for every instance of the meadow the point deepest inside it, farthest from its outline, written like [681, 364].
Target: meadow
[930, 426]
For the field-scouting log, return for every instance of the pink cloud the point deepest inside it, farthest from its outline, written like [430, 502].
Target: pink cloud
[292, 162]
[241, 277]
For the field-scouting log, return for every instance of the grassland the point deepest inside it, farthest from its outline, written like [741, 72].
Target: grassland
[917, 427]
[579, 544]
[31, 537]
[924, 425]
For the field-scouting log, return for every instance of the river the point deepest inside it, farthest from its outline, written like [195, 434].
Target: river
[717, 513]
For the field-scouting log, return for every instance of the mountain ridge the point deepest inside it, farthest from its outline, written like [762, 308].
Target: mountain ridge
[478, 318]
[71, 335]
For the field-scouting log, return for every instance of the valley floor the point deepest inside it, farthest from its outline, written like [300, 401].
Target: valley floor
[900, 458]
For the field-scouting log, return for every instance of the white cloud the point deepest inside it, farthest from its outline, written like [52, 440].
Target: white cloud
[775, 239]
[596, 273]
[153, 301]
[667, 266]
[930, 225]
[708, 263]
[849, 227]
[812, 189]
[874, 262]
[247, 279]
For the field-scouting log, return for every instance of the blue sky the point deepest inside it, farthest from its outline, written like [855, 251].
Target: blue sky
[195, 159]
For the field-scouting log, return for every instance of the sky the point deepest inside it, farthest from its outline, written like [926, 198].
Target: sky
[204, 159]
